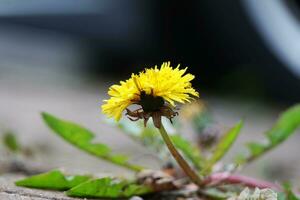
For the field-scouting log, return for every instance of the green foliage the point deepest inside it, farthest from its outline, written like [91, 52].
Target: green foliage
[107, 188]
[223, 146]
[82, 138]
[214, 193]
[147, 136]
[190, 151]
[84, 186]
[150, 137]
[291, 196]
[201, 121]
[11, 143]
[53, 180]
[288, 193]
[285, 126]
[281, 196]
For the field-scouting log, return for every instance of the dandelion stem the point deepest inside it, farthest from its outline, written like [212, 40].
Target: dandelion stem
[181, 162]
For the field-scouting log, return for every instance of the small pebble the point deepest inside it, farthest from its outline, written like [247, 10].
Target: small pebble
[136, 198]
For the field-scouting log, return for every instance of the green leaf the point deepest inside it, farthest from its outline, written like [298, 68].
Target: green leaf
[214, 193]
[281, 196]
[53, 180]
[82, 138]
[190, 151]
[289, 194]
[288, 122]
[285, 126]
[147, 136]
[107, 188]
[223, 146]
[150, 137]
[255, 148]
[11, 143]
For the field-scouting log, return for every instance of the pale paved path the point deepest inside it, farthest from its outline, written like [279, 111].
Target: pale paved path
[21, 103]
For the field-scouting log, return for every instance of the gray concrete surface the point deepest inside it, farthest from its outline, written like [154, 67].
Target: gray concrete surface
[21, 103]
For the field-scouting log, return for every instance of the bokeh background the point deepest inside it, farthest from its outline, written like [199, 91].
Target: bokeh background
[61, 56]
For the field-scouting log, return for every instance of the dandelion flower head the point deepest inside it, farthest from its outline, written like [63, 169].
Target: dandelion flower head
[156, 90]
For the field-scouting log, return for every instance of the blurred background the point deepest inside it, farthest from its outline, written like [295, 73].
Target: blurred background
[61, 56]
[246, 48]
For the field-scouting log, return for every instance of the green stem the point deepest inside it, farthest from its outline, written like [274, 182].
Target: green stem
[181, 162]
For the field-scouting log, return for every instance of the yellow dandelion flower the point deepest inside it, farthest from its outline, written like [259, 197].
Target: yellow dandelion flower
[155, 90]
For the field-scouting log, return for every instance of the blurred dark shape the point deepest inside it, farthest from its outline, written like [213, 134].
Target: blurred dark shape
[228, 45]
[278, 171]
